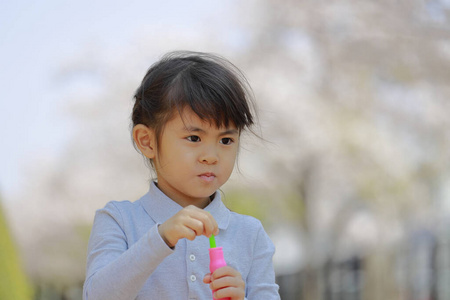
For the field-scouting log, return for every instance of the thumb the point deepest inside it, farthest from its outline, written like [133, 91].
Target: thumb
[207, 278]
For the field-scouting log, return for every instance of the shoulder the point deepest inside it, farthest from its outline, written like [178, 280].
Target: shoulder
[124, 205]
[248, 222]
[248, 227]
[116, 207]
[120, 210]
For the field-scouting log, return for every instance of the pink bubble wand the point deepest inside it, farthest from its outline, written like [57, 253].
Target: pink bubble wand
[216, 259]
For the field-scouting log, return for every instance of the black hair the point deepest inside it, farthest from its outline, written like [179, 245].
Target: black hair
[210, 85]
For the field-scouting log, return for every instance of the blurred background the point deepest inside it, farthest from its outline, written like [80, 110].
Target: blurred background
[351, 178]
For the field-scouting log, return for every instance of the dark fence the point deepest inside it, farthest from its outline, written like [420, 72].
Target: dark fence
[419, 269]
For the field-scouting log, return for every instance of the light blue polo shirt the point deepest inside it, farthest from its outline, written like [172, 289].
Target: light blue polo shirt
[128, 259]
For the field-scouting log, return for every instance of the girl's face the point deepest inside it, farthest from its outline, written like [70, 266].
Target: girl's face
[194, 159]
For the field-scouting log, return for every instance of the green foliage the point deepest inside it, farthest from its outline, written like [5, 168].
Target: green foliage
[288, 205]
[13, 282]
[245, 203]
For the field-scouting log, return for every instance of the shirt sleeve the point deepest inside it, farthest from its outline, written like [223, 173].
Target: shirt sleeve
[261, 279]
[115, 270]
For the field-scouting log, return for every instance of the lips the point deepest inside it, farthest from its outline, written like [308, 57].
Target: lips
[208, 177]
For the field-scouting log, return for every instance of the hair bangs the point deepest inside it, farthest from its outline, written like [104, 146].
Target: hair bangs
[215, 96]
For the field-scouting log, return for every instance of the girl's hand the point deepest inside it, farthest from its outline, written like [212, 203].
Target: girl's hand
[226, 282]
[188, 223]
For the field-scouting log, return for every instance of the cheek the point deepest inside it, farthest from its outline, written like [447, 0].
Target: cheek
[229, 161]
[175, 154]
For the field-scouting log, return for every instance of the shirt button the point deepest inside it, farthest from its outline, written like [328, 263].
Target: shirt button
[193, 278]
[192, 257]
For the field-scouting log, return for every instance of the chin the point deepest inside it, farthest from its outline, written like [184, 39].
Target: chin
[206, 194]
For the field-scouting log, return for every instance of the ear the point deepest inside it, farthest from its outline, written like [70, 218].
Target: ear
[145, 140]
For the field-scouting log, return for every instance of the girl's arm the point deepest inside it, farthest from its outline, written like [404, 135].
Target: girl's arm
[115, 271]
[261, 278]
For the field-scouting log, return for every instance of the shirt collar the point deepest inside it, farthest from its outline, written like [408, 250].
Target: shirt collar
[160, 207]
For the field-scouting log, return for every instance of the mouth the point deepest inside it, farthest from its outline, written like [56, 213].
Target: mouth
[208, 177]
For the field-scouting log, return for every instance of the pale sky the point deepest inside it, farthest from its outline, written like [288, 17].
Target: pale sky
[36, 37]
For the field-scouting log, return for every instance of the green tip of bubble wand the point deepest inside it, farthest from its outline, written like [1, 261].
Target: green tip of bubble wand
[212, 241]
[216, 259]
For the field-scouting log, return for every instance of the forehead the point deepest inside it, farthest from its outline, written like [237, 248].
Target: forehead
[187, 118]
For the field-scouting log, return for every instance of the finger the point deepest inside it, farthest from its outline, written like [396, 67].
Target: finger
[207, 278]
[226, 281]
[226, 277]
[189, 234]
[181, 231]
[195, 225]
[213, 226]
[230, 292]
[225, 271]
[209, 223]
[198, 219]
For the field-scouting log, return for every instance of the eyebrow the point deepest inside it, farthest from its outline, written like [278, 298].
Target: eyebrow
[196, 129]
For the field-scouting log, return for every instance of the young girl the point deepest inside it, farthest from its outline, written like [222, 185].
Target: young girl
[189, 113]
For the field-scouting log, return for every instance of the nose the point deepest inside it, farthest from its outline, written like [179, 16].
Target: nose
[209, 156]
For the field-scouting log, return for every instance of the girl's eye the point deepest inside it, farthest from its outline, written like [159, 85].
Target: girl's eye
[226, 141]
[193, 138]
